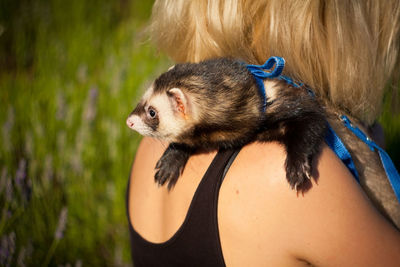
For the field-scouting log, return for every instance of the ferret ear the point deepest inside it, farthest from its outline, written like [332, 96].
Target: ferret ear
[178, 100]
[170, 68]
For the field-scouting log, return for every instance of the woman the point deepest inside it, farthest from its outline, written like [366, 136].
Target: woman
[246, 214]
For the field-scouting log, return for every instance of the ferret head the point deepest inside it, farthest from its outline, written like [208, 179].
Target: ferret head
[162, 114]
[205, 102]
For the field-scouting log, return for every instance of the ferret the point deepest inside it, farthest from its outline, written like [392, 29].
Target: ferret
[217, 104]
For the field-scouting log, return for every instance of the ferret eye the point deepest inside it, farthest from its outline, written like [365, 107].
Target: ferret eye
[152, 113]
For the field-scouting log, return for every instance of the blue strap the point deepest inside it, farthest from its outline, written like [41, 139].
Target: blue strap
[258, 70]
[272, 68]
[261, 72]
[390, 169]
[336, 144]
[290, 81]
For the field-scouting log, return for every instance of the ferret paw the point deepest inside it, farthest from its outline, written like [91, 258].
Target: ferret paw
[298, 173]
[167, 173]
[170, 166]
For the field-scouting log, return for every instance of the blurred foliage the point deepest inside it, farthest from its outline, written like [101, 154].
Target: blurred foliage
[69, 75]
[390, 120]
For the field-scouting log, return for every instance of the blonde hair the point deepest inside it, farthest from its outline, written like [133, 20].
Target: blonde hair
[346, 50]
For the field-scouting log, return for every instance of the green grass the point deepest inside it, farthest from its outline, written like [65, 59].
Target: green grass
[390, 120]
[70, 73]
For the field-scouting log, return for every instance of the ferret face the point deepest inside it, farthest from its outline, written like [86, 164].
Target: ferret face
[161, 115]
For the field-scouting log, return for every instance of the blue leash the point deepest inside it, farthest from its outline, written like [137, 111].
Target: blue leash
[273, 68]
[390, 169]
[336, 144]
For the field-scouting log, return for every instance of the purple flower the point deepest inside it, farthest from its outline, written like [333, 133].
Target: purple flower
[29, 144]
[9, 191]
[61, 106]
[3, 179]
[24, 253]
[48, 168]
[20, 174]
[62, 223]
[7, 127]
[3, 251]
[21, 257]
[90, 106]
[82, 73]
[10, 120]
[22, 184]
[76, 162]
[118, 256]
[7, 249]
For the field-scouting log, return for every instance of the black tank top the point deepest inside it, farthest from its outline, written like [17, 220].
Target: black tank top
[196, 242]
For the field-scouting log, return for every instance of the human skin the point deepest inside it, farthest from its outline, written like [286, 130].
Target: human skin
[261, 221]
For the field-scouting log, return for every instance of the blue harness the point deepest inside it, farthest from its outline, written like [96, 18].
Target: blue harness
[273, 68]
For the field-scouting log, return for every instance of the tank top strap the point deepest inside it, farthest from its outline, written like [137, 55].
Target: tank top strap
[201, 227]
[197, 242]
[206, 195]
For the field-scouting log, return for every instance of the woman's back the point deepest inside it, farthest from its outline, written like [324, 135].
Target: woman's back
[261, 221]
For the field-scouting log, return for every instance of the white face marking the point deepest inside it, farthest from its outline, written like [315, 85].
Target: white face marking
[148, 92]
[271, 89]
[136, 123]
[171, 124]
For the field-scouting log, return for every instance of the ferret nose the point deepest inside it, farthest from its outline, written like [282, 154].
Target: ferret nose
[129, 122]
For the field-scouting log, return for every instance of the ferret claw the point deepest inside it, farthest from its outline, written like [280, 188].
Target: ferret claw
[170, 166]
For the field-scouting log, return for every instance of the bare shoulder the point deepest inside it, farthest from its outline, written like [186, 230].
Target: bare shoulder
[259, 210]
[147, 154]
[155, 212]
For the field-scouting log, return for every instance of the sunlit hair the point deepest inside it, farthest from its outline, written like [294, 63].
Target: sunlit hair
[346, 50]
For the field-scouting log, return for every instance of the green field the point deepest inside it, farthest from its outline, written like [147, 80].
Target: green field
[70, 73]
